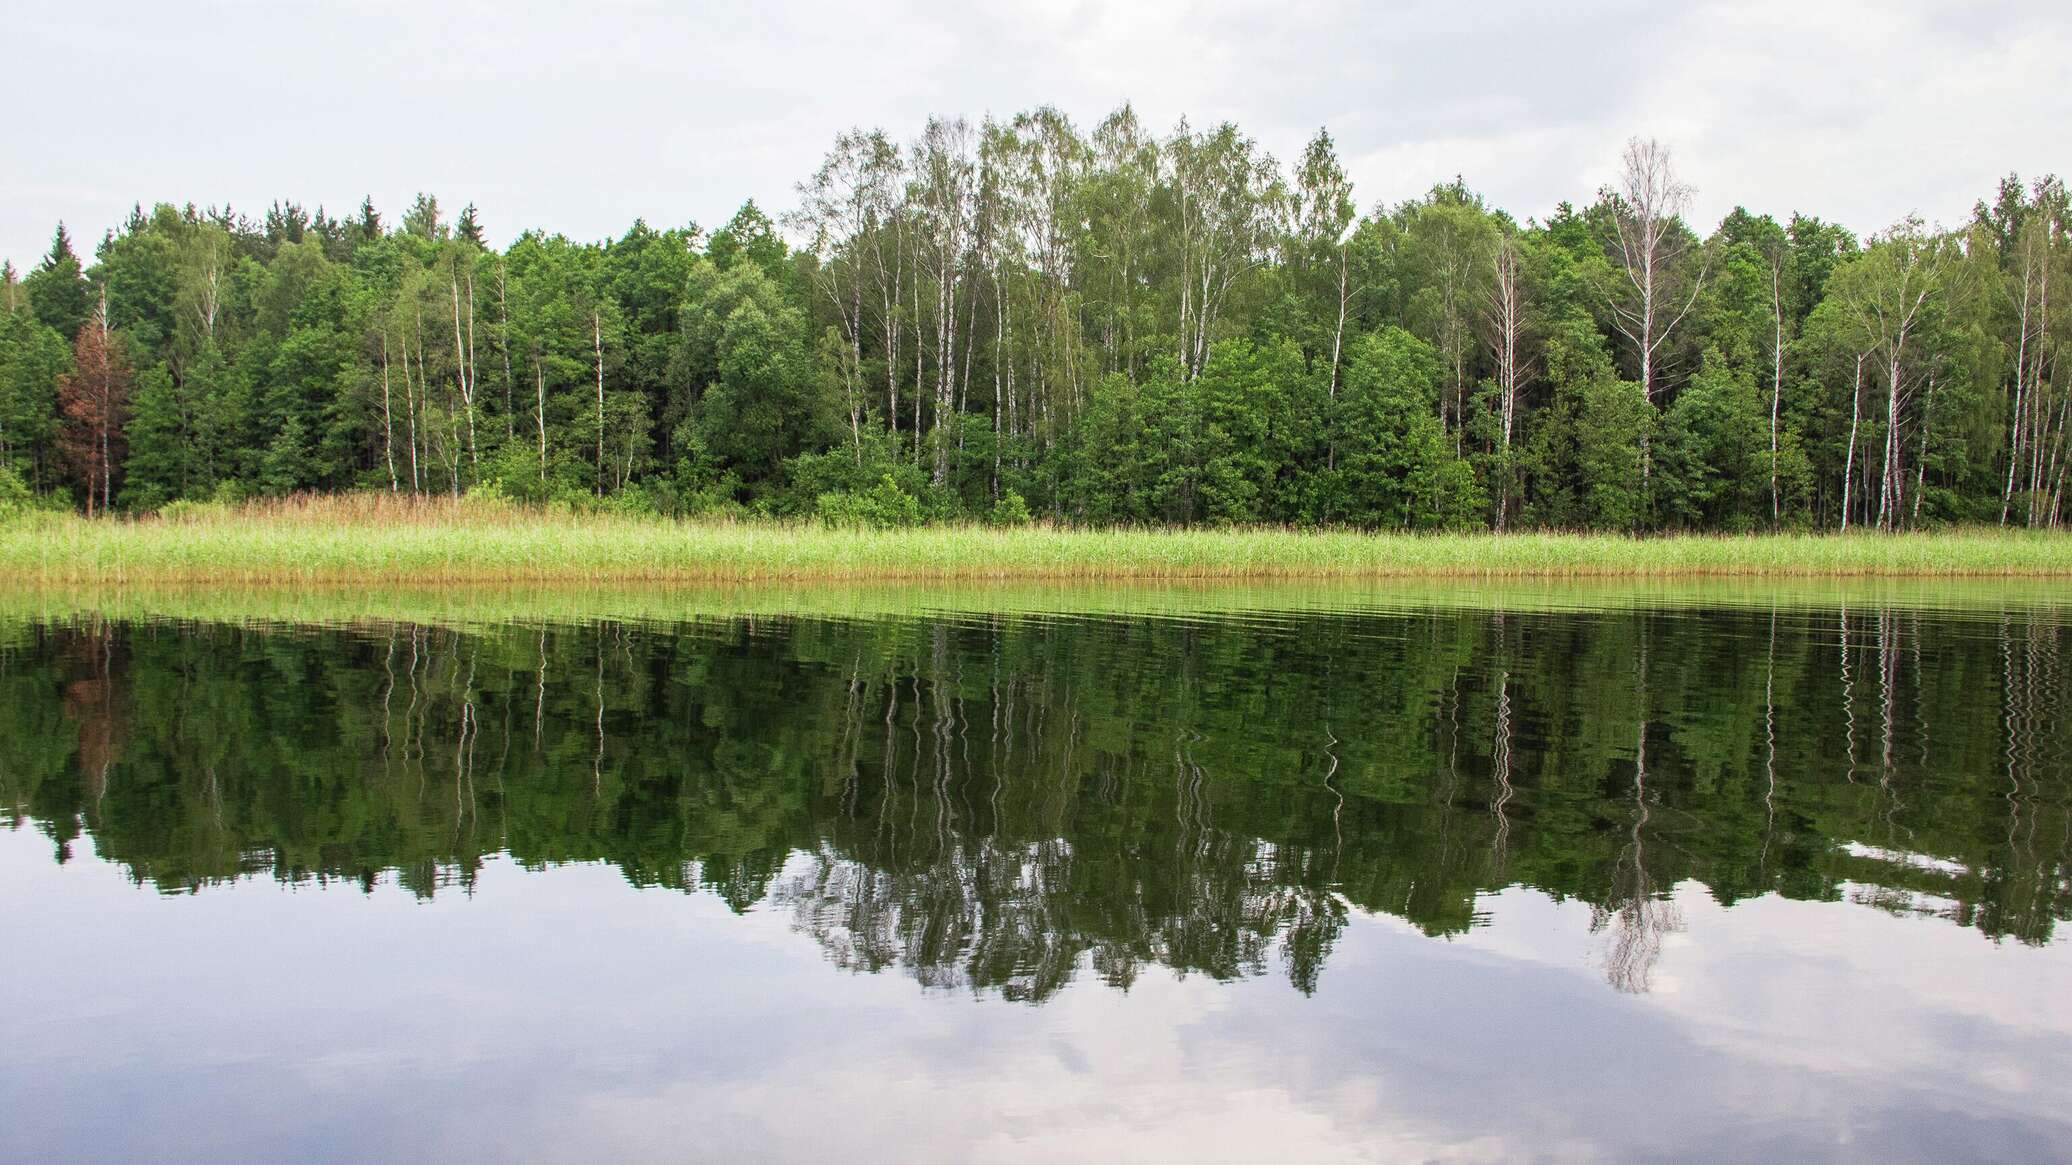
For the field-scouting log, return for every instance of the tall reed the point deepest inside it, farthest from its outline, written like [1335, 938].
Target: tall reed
[368, 538]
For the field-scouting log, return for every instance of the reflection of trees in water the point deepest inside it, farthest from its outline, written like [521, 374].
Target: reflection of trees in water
[2034, 760]
[1500, 768]
[1636, 913]
[94, 702]
[999, 862]
[1002, 804]
[1017, 919]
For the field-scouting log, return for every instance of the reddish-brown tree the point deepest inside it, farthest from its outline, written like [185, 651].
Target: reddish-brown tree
[93, 399]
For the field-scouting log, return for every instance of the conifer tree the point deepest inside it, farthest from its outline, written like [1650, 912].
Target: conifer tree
[93, 399]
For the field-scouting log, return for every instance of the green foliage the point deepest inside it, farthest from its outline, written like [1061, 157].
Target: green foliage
[749, 239]
[859, 470]
[885, 505]
[1010, 510]
[1613, 433]
[164, 459]
[512, 471]
[186, 510]
[1118, 326]
[285, 468]
[32, 358]
[1713, 453]
[760, 399]
[634, 501]
[57, 290]
[15, 496]
[1394, 466]
[717, 499]
[1243, 396]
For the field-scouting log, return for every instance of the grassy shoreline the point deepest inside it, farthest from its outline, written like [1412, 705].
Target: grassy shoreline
[349, 541]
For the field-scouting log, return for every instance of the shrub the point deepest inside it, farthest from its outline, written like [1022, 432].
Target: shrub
[662, 496]
[884, 505]
[1010, 510]
[513, 471]
[632, 501]
[701, 495]
[15, 496]
[569, 498]
[186, 510]
[848, 471]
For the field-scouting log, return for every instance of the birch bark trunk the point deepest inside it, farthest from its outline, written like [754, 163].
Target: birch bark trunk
[1849, 463]
[597, 344]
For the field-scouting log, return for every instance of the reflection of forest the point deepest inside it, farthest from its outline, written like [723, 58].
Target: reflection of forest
[1003, 803]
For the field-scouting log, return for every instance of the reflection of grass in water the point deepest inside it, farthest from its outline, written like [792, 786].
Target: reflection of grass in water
[336, 603]
[374, 539]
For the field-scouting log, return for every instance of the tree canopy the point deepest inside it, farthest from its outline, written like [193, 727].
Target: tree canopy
[1111, 326]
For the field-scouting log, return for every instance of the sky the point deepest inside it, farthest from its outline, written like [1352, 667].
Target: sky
[263, 1021]
[578, 118]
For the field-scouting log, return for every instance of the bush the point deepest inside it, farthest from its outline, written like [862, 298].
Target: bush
[662, 496]
[701, 494]
[568, 496]
[15, 496]
[193, 510]
[1010, 510]
[512, 471]
[632, 501]
[885, 505]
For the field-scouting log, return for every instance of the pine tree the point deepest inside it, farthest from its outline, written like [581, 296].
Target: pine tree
[281, 470]
[422, 219]
[163, 462]
[56, 288]
[367, 227]
[32, 357]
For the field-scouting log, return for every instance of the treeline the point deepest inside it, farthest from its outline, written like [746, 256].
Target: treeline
[1017, 318]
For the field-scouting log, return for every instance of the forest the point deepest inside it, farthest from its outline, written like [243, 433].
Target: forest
[1015, 319]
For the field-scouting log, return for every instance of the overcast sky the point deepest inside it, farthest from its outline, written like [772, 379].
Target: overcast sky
[581, 117]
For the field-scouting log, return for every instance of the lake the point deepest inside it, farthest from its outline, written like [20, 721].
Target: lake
[1560, 874]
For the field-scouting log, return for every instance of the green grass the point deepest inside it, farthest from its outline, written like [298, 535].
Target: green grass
[377, 541]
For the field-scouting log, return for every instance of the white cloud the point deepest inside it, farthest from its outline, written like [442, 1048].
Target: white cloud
[581, 117]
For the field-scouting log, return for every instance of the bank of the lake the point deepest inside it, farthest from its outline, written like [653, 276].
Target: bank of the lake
[343, 542]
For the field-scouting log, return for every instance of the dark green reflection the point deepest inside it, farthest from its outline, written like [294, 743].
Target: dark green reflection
[1004, 802]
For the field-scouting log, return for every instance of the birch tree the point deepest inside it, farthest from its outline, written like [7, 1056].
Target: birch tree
[1223, 197]
[2036, 444]
[841, 208]
[1504, 326]
[1889, 292]
[1118, 204]
[1653, 251]
[945, 188]
[1320, 209]
[1447, 237]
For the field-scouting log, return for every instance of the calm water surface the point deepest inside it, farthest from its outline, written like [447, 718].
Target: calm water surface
[1725, 883]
